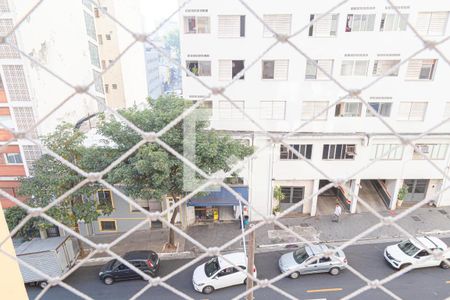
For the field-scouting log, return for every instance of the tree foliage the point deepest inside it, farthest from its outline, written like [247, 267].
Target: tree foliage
[149, 173]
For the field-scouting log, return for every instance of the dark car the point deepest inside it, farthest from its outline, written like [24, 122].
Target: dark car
[114, 270]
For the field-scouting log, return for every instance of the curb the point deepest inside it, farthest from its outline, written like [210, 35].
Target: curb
[273, 247]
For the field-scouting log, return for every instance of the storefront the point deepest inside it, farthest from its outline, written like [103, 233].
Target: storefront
[217, 205]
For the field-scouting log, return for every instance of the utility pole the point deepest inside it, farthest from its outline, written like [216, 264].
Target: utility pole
[250, 262]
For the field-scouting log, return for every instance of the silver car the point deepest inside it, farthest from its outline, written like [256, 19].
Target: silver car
[305, 261]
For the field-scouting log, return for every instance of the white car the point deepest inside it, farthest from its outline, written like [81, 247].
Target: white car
[218, 273]
[412, 252]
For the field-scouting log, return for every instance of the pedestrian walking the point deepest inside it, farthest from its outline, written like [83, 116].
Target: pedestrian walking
[337, 213]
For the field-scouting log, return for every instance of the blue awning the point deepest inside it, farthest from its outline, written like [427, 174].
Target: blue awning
[220, 198]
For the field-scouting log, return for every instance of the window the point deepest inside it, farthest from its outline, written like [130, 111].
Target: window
[100, 39]
[354, 67]
[108, 37]
[93, 53]
[25, 119]
[6, 122]
[98, 81]
[106, 88]
[90, 25]
[273, 110]
[4, 7]
[196, 24]
[114, 86]
[199, 67]
[421, 69]
[383, 108]
[32, 153]
[393, 22]
[292, 194]
[412, 111]
[228, 69]
[227, 111]
[386, 151]
[339, 151]
[149, 205]
[358, 22]
[305, 150]
[281, 24]
[110, 226]
[104, 198]
[348, 109]
[15, 83]
[432, 23]
[231, 26]
[13, 158]
[275, 69]
[433, 151]
[7, 51]
[311, 109]
[325, 27]
[313, 72]
[382, 66]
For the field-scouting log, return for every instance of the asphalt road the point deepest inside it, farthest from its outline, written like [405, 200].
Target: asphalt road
[426, 283]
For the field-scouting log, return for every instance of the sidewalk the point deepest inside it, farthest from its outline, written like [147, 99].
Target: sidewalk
[434, 221]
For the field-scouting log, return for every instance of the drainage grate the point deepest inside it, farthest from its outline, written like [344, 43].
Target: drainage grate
[442, 211]
[416, 218]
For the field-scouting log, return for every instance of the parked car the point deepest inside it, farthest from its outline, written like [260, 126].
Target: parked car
[305, 261]
[52, 256]
[413, 252]
[114, 270]
[218, 273]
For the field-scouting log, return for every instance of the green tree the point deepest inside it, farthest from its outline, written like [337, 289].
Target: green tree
[14, 215]
[153, 173]
[52, 179]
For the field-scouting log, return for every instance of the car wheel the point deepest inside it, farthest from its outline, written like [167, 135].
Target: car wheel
[444, 265]
[108, 280]
[43, 284]
[245, 281]
[208, 289]
[294, 275]
[404, 266]
[335, 271]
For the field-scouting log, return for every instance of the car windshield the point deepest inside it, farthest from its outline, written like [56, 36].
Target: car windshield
[212, 266]
[408, 248]
[300, 255]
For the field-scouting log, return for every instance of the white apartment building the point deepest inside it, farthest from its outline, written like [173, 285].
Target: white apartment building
[125, 83]
[65, 43]
[16, 110]
[283, 91]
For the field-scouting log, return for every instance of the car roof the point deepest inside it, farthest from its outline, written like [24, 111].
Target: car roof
[237, 258]
[316, 249]
[430, 242]
[141, 254]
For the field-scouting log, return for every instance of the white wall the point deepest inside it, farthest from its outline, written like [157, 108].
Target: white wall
[58, 41]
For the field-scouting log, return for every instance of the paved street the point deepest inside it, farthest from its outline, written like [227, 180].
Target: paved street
[429, 283]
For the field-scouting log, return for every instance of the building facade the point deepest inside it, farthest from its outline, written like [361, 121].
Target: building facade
[287, 93]
[125, 83]
[152, 64]
[17, 111]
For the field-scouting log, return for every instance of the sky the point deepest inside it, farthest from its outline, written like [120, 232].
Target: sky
[155, 11]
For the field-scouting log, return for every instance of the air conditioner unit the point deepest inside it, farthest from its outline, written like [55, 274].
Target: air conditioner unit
[350, 150]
